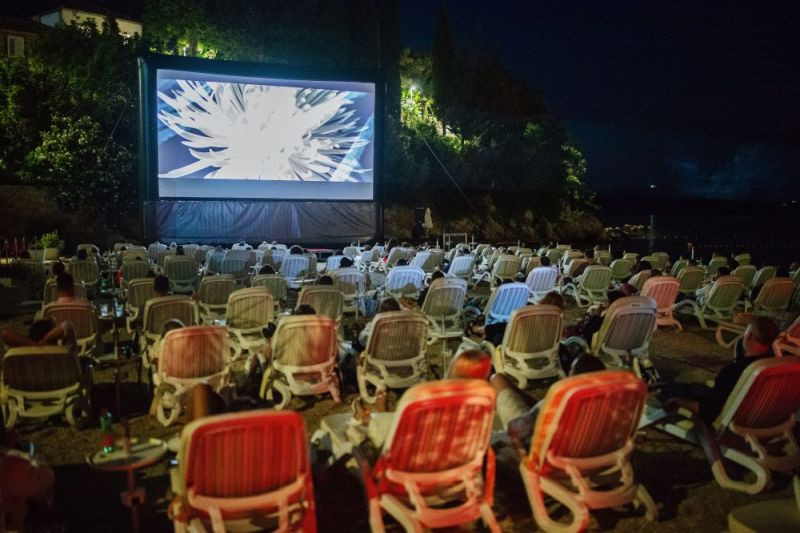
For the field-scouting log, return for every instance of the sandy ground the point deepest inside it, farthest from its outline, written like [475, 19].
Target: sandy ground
[675, 473]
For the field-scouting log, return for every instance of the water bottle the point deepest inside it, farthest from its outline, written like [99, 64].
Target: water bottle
[107, 431]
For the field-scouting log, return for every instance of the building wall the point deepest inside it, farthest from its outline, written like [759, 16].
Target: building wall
[68, 16]
[5, 33]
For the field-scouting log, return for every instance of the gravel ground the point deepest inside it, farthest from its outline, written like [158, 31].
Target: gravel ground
[675, 473]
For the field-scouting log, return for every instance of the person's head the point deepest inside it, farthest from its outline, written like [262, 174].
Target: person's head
[169, 325]
[691, 263]
[83, 255]
[58, 268]
[553, 298]
[544, 261]
[504, 281]
[614, 295]
[782, 272]
[305, 309]
[723, 271]
[585, 363]
[40, 328]
[150, 274]
[470, 364]
[391, 243]
[296, 250]
[65, 285]
[346, 262]
[325, 280]
[588, 254]
[266, 269]
[179, 251]
[655, 272]
[402, 262]
[759, 336]
[388, 304]
[437, 274]
[645, 265]
[161, 285]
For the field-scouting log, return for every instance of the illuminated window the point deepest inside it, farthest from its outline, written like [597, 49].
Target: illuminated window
[16, 46]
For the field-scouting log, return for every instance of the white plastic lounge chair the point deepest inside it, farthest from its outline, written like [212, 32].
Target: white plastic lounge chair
[506, 267]
[133, 270]
[156, 312]
[677, 266]
[50, 292]
[294, 268]
[246, 471]
[621, 269]
[774, 297]
[754, 428]
[136, 253]
[304, 353]
[138, 292]
[714, 264]
[462, 267]
[504, 300]
[86, 272]
[742, 259]
[190, 356]
[212, 296]
[405, 281]
[592, 287]
[236, 267]
[662, 261]
[664, 290]
[443, 308]
[775, 516]
[554, 255]
[430, 472]
[762, 275]
[40, 381]
[631, 256]
[162, 255]
[154, 249]
[747, 273]
[788, 341]
[690, 279]
[351, 282]
[419, 260]
[350, 251]
[277, 286]
[182, 273]
[581, 448]
[332, 263]
[395, 354]
[540, 281]
[626, 331]
[249, 312]
[326, 300]
[638, 280]
[719, 304]
[83, 319]
[530, 344]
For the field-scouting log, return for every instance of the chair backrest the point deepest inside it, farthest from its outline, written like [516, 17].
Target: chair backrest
[724, 294]
[236, 266]
[655, 261]
[348, 280]
[162, 308]
[139, 291]
[596, 278]
[691, 278]
[91, 249]
[369, 256]
[50, 293]
[405, 279]
[638, 280]
[135, 253]
[504, 299]
[154, 249]
[766, 395]
[586, 416]
[434, 260]
[305, 340]
[763, 274]
[631, 256]
[332, 263]
[215, 290]
[533, 329]
[350, 251]
[742, 259]
[439, 426]
[506, 267]
[715, 263]
[554, 254]
[249, 308]
[120, 245]
[40, 368]
[572, 267]
[85, 271]
[677, 266]
[420, 259]
[237, 455]
[162, 255]
[396, 336]
[746, 272]
[214, 260]
[445, 297]
[276, 284]
[325, 299]
[180, 268]
[201, 253]
[397, 253]
[524, 252]
[542, 279]
[194, 352]
[775, 295]
[134, 269]
[663, 289]
[628, 323]
[461, 266]
[663, 258]
[621, 268]
[294, 266]
[191, 249]
[80, 314]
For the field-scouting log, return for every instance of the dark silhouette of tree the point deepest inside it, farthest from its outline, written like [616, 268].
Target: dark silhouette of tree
[443, 56]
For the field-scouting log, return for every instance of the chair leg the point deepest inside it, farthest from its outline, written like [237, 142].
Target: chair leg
[643, 498]
[536, 487]
[489, 520]
[763, 475]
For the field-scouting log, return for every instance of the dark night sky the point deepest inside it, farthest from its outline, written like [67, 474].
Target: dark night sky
[690, 95]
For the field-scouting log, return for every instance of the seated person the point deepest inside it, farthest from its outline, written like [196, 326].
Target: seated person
[707, 402]
[346, 262]
[518, 411]
[42, 332]
[160, 286]
[82, 255]
[593, 319]
[494, 332]
[424, 292]
[58, 268]
[266, 269]
[703, 291]
[325, 279]
[65, 285]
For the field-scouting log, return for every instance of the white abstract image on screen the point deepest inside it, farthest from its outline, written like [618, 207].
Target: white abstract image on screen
[244, 131]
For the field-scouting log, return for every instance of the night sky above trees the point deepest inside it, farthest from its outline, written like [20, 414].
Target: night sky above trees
[696, 97]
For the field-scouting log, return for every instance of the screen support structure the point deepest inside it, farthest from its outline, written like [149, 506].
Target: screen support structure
[306, 220]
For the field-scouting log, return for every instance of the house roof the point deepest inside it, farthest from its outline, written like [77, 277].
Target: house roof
[89, 7]
[21, 25]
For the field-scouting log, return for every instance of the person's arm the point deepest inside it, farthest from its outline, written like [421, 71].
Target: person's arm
[521, 427]
[13, 339]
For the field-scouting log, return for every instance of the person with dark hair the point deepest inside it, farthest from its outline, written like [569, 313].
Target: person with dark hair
[593, 319]
[346, 262]
[704, 291]
[325, 280]
[402, 262]
[179, 250]
[160, 286]
[296, 250]
[82, 255]
[424, 292]
[544, 261]
[266, 269]
[65, 284]
[518, 411]
[304, 309]
[58, 268]
[644, 266]
[43, 332]
[707, 402]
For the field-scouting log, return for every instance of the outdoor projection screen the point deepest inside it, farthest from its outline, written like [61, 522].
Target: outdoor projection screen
[236, 150]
